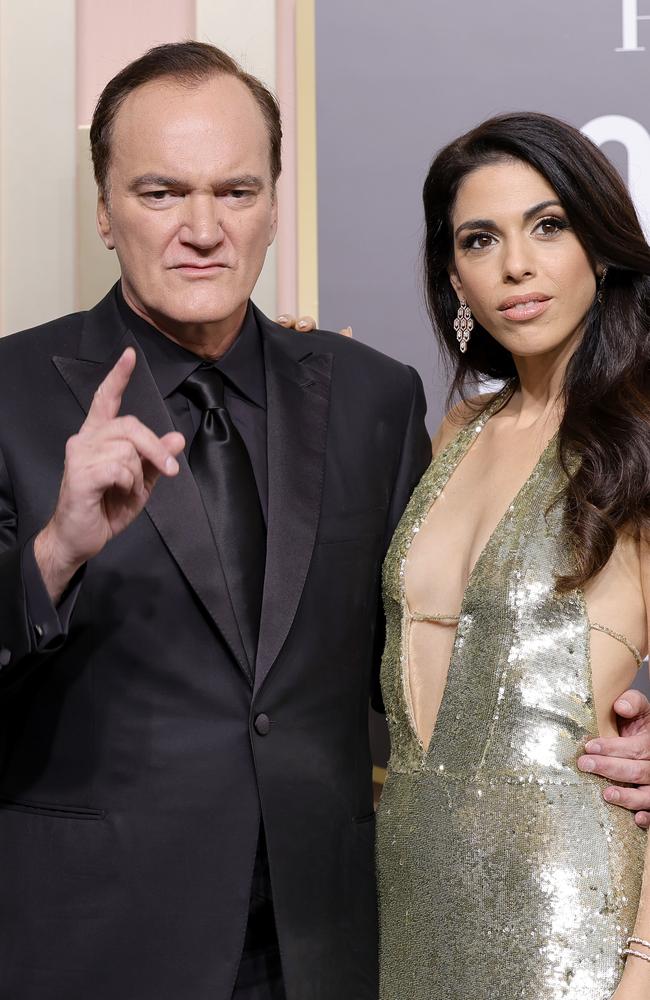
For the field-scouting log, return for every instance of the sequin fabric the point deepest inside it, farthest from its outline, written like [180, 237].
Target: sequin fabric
[502, 872]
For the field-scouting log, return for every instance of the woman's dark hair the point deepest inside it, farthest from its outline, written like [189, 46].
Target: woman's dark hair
[606, 421]
[190, 63]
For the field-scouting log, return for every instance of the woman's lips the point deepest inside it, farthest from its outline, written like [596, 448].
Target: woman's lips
[529, 309]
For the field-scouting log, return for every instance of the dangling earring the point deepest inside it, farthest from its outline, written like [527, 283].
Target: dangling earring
[601, 292]
[463, 325]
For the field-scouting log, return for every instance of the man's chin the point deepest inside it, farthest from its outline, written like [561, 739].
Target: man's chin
[193, 314]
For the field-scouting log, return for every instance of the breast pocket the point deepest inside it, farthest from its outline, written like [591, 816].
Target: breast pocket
[52, 811]
[350, 526]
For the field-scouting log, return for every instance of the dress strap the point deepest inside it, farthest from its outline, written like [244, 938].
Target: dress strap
[466, 435]
[419, 616]
[619, 638]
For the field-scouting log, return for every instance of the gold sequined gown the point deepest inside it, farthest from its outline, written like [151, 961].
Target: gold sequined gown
[502, 872]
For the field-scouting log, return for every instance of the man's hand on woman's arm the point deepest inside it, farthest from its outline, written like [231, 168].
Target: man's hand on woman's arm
[625, 758]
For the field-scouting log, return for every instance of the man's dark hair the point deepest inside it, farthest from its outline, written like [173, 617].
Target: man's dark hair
[188, 62]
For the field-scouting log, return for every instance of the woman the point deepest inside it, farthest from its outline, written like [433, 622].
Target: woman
[517, 587]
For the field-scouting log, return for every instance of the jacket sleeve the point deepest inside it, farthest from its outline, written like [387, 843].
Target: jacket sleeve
[31, 628]
[415, 458]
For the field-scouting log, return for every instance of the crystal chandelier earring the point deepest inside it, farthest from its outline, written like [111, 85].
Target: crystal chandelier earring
[463, 325]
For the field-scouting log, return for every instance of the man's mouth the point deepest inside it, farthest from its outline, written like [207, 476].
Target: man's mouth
[201, 265]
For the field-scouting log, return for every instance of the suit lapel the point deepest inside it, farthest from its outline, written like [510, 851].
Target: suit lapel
[175, 506]
[298, 390]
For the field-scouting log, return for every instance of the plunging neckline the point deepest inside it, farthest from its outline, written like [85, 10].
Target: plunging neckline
[476, 427]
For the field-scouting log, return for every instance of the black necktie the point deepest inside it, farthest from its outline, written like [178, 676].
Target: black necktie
[223, 471]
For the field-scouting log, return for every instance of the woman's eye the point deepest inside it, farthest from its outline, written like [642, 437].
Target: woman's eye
[478, 241]
[550, 226]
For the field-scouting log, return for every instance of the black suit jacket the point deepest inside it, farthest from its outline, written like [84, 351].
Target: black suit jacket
[132, 774]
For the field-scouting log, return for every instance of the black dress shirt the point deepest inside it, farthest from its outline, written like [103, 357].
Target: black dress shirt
[242, 367]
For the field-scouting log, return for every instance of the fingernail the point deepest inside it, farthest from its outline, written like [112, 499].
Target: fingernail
[301, 324]
[624, 704]
[593, 746]
[171, 465]
[282, 319]
[612, 794]
[586, 764]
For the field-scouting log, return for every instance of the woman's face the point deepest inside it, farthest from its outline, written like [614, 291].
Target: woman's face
[517, 262]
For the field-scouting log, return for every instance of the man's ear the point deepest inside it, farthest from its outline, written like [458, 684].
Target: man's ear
[104, 227]
[273, 228]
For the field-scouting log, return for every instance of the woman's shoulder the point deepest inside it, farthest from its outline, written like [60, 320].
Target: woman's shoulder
[458, 417]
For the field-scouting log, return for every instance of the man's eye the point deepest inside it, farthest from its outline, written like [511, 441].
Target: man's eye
[157, 195]
[239, 193]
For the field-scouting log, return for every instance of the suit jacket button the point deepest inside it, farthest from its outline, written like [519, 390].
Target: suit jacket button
[262, 724]
[5, 658]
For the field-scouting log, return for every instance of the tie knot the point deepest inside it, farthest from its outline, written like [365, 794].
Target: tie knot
[204, 387]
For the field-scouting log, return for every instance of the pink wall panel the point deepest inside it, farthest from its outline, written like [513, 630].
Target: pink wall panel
[287, 186]
[110, 35]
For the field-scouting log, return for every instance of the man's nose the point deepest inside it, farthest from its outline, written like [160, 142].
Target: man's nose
[202, 223]
[518, 260]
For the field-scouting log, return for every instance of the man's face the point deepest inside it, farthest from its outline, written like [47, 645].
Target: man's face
[191, 210]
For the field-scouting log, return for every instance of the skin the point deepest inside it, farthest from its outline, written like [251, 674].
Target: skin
[520, 252]
[190, 210]
[622, 759]
[623, 755]
[306, 324]
[216, 209]
[512, 238]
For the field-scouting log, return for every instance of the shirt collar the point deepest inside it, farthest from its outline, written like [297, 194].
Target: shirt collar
[170, 364]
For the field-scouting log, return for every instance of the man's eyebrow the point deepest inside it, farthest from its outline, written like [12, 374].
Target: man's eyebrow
[155, 180]
[246, 180]
[527, 216]
[160, 181]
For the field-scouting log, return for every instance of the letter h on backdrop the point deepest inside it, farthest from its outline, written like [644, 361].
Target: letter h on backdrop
[631, 18]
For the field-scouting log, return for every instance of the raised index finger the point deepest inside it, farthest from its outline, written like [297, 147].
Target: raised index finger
[108, 397]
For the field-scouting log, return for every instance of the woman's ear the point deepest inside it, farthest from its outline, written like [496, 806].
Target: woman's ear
[456, 283]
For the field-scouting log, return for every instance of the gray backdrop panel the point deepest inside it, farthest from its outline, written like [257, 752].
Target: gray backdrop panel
[395, 83]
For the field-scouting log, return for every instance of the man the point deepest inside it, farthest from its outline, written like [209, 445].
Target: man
[188, 627]
[189, 611]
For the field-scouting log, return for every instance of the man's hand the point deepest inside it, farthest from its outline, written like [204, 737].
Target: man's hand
[111, 467]
[626, 757]
[305, 324]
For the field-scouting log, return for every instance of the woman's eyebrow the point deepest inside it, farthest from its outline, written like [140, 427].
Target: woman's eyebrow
[552, 202]
[476, 224]
[527, 216]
